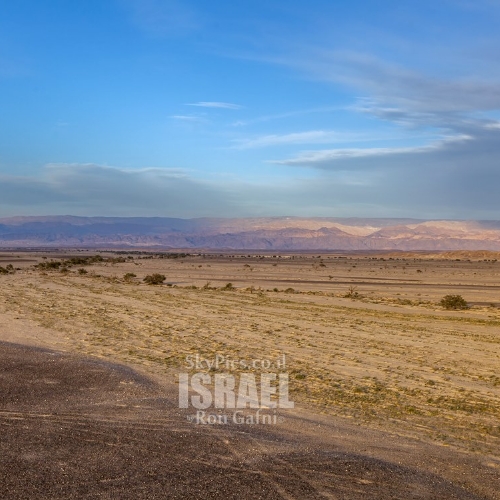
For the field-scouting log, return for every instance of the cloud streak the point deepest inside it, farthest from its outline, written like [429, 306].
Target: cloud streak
[279, 116]
[308, 137]
[390, 83]
[328, 157]
[215, 104]
[189, 118]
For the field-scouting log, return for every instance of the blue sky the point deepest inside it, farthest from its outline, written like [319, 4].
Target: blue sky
[194, 109]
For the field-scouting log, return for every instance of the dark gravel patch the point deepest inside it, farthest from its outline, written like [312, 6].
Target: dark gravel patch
[74, 427]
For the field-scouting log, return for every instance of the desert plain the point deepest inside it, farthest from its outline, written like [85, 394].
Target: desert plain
[395, 395]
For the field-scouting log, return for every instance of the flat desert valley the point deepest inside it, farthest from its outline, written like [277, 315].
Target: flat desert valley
[395, 395]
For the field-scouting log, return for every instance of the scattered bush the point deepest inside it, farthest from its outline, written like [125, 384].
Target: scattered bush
[73, 261]
[82, 271]
[129, 276]
[352, 293]
[172, 255]
[154, 279]
[51, 265]
[454, 302]
[229, 286]
[117, 260]
[3, 270]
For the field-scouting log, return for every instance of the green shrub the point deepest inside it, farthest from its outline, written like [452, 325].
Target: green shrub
[154, 279]
[454, 302]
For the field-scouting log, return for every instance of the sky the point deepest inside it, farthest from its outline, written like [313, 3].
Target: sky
[252, 108]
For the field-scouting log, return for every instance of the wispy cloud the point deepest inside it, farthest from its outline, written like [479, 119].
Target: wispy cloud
[215, 104]
[396, 86]
[309, 137]
[326, 157]
[189, 118]
[288, 114]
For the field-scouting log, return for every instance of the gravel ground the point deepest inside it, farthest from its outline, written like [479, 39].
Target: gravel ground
[75, 427]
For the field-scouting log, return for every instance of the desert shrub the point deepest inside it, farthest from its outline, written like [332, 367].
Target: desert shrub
[351, 293]
[405, 302]
[3, 270]
[117, 260]
[172, 255]
[154, 279]
[82, 271]
[289, 290]
[83, 261]
[50, 265]
[454, 302]
[129, 276]
[229, 286]
[75, 261]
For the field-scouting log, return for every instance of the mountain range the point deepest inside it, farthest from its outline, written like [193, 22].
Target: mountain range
[266, 233]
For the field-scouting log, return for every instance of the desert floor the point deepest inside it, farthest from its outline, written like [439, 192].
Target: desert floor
[384, 378]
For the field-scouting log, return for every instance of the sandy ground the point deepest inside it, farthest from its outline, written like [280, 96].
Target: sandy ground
[395, 395]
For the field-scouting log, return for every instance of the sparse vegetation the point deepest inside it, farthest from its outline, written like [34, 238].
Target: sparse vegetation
[154, 279]
[49, 265]
[454, 302]
[53, 265]
[352, 293]
[372, 359]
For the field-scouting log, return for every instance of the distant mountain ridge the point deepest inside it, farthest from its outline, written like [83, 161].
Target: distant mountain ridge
[258, 233]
